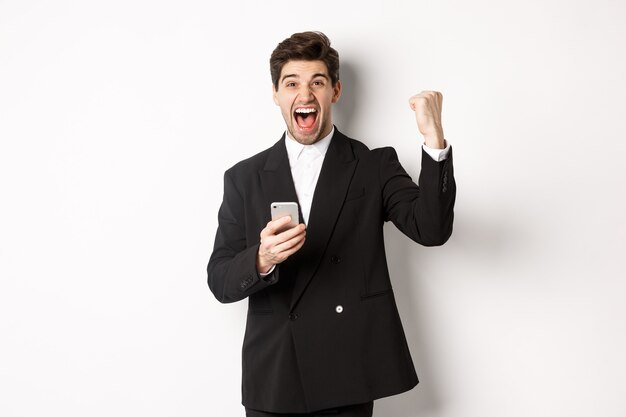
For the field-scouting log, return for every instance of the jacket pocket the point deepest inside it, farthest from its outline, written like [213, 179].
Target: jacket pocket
[376, 294]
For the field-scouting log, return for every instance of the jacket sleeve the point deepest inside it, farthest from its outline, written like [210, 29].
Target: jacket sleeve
[232, 274]
[423, 212]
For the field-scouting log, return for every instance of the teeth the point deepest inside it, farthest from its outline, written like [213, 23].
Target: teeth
[308, 110]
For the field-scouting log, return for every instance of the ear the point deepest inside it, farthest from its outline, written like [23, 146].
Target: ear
[336, 92]
[275, 94]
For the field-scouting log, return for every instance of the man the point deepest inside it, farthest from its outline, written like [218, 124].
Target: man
[323, 334]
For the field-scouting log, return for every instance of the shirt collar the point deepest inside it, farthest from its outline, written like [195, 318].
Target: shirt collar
[294, 149]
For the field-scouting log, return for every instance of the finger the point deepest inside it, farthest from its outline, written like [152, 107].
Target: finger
[426, 94]
[281, 252]
[275, 225]
[288, 252]
[299, 245]
[288, 244]
[419, 98]
[290, 233]
[282, 237]
[274, 244]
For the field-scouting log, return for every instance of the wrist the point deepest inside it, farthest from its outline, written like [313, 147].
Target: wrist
[435, 140]
[262, 267]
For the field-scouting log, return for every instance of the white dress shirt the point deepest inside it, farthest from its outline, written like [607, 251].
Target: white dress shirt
[305, 162]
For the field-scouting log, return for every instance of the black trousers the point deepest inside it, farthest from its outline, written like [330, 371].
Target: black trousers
[359, 410]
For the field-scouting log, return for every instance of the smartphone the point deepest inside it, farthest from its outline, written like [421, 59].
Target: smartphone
[282, 209]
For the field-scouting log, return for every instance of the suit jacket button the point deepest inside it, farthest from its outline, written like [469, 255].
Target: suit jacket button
[335, 259]
[293, 316]
[339, 309]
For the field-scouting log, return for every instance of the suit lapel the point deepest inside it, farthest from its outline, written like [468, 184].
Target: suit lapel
[275, 177]
[330, 192]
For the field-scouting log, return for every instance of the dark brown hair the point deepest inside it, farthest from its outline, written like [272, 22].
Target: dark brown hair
[305, 46]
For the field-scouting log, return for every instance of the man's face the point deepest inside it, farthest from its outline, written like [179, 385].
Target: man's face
[305, 95]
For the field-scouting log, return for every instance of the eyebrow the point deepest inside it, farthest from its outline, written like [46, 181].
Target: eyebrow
[319, 74]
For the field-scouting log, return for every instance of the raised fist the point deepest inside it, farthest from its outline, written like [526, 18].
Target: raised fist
[427, 108]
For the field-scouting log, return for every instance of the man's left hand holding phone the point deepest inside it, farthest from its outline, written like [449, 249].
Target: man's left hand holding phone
[279, 240]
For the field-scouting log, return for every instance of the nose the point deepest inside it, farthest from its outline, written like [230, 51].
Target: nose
[305, 93]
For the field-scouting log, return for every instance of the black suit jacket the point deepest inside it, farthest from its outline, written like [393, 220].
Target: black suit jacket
[323, 329]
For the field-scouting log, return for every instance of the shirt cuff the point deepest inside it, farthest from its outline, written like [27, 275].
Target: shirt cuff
[437, 154]
[264, 274]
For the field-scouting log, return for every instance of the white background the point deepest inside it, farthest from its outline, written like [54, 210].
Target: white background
[118, 119]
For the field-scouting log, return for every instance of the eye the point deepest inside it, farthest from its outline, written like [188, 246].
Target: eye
[318, 83]
[290, 84]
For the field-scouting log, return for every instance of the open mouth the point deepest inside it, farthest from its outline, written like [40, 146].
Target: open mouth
[305, 117]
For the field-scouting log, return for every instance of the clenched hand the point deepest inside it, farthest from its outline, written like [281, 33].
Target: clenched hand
[427, 108]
